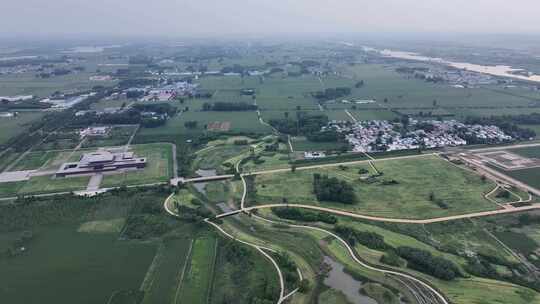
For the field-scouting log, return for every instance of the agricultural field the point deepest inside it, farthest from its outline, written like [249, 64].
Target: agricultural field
[29, 84]
[197, 283]
[164, 277]
[246, 122]
[529, 152]
[381, 82]
[529, 176]
[13, 126]
[120, 267]
[416, 179]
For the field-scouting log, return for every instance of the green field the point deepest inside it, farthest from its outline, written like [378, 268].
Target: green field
[47, 184]
[529, 176]
[35, 160]
[163, 280]
[28, 84]
[239, 122]
[76, 261]
[13, 126]
[382, 82]
[460, 190]
[197, 279]
[531, 152]
[159, 167]
[213, 157]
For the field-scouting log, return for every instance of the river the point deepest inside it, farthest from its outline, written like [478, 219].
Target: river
[494, 70]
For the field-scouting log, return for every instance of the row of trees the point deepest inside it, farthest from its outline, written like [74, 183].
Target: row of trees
[367, 238]
[304, 216]
[304, 124]
[424, 261]
[228, 106]
[332, 93]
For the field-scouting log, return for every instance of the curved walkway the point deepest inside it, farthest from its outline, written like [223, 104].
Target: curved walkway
[440, 296]
[392, 220]
[261, 249]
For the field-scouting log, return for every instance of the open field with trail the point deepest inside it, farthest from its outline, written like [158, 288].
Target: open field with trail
[416, 180]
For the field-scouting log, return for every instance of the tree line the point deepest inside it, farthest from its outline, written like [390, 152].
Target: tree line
[228, 106]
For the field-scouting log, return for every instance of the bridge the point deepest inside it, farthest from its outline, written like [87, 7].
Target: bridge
[183, 180]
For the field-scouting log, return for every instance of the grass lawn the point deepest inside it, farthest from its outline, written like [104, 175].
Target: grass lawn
[88, 267]
[35, 160]
[46, 184]
[213, 157]
[197, 279]
[517, 241]
[11, 188]
[159, 167]
[13, 126]
[460, 190]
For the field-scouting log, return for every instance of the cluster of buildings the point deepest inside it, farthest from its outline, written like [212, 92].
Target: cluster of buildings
[382, 135]
[168, 92]
[94, 131]
[101, 161]
[61, 103]
[16, 98]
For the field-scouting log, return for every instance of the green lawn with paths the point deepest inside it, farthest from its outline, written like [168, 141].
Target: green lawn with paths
[417, 178]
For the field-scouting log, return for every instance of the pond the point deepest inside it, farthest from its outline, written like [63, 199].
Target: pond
[344, 282]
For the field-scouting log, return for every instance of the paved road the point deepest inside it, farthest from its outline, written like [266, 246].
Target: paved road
[505, 147]
[500, 176]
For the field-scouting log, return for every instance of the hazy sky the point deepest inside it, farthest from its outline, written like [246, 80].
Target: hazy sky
[218, 17]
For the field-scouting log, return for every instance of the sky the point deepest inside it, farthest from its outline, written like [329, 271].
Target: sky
[233, 17]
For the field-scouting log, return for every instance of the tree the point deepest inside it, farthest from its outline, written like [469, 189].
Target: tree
[303, 286]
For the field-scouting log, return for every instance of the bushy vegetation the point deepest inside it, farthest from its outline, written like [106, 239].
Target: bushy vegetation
[228, 106]
[367, 238]
[332, 189]
[304, 216]
[304, 124]
[424, 261]
[245, 279]
[332, 93]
